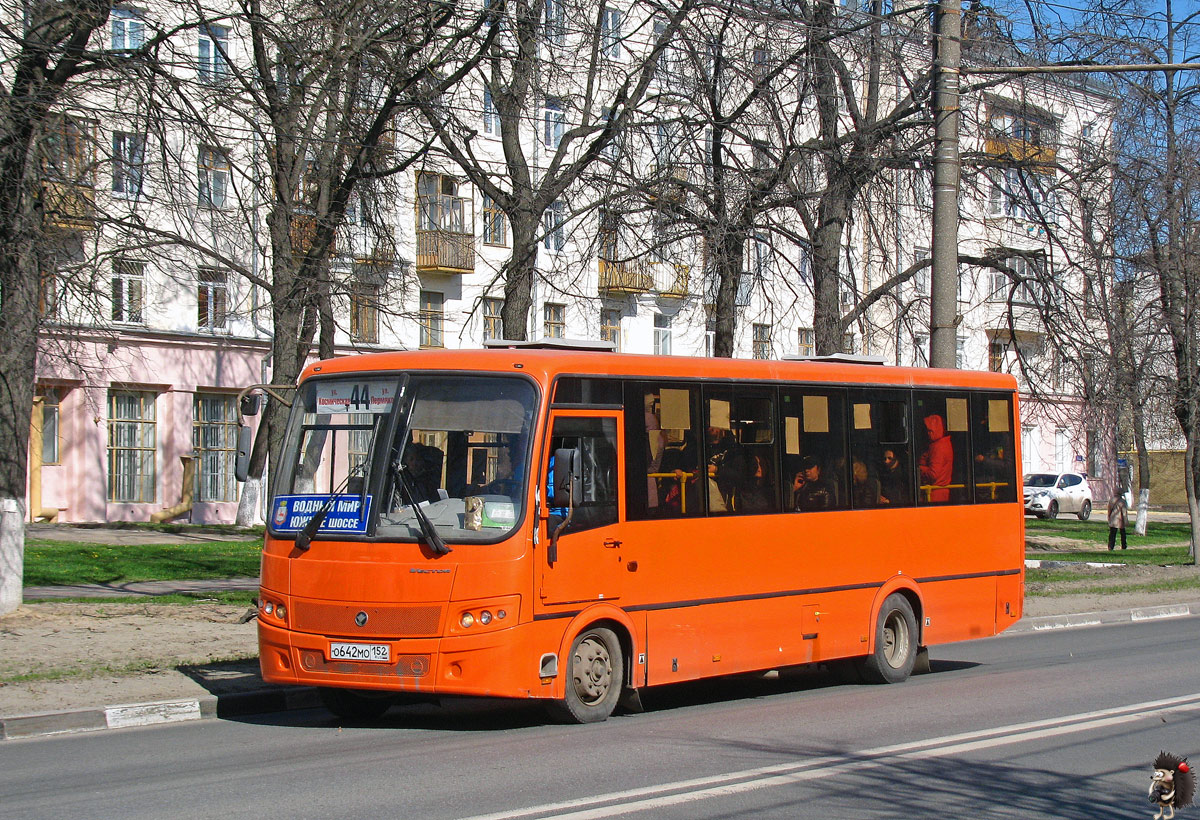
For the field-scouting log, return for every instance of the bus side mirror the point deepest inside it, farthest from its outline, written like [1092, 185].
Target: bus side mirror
[241, 467]
[250, 404]
[568, 482]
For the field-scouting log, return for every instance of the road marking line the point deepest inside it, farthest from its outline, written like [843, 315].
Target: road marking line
[702, 788]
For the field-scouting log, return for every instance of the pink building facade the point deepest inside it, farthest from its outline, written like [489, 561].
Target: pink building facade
[121, 416]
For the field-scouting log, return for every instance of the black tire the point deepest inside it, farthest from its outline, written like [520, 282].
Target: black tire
[1085, 512]
[595, 675]
[896, 643]
[1052, 511]
[354, 704]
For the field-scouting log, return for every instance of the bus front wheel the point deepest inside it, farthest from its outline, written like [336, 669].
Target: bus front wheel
[355, 705]
[596, 672]
[895, 643]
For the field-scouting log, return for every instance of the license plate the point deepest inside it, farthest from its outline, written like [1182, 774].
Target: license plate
[360, 652]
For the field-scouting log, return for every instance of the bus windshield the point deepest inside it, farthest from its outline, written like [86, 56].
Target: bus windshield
[370, 447]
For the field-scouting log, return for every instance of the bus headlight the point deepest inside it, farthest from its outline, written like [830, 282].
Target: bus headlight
[485, 617]
[467, 620]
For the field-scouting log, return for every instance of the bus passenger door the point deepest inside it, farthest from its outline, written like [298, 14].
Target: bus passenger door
[591, 561]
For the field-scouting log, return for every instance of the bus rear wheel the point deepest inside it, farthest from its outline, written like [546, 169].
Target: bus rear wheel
[596, 671]
[896, 643]
[353, 704]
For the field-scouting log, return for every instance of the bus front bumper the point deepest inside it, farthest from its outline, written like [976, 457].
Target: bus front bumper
[502, 663]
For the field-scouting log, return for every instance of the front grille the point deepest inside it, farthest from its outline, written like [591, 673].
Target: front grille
[383, 621]
[406, 666]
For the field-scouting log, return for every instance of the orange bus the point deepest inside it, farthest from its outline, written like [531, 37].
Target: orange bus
[574, 526]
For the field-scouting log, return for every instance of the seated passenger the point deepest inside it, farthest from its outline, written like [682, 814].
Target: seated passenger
[865, 490]
[810, 491]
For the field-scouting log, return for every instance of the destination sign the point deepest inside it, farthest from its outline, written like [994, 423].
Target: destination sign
[347, 513]
[355, 397]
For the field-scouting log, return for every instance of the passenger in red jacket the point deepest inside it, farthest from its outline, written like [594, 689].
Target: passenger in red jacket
[937, 462]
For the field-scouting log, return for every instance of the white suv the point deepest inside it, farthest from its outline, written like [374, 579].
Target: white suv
[1048, 494]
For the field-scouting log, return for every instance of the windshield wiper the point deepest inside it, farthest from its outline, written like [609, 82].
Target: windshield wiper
[305, 536]
[427, 529]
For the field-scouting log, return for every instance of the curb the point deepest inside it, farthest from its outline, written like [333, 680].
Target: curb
[1047, 623]
[121, 716]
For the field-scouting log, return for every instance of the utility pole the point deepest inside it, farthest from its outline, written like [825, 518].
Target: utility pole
[943, 291]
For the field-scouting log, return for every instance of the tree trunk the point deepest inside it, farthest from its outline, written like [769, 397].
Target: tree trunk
[519, 272]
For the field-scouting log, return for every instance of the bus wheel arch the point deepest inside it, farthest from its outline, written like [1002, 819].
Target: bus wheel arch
[596, 658]
[895, 643]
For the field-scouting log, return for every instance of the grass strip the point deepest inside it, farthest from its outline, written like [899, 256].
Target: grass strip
[1154, 556]
[1096, 530]
[229, 598]
[63, 562]
[116, 670]
[1164, 585]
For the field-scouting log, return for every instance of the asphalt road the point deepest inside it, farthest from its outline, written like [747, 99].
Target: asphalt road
[1038, 725]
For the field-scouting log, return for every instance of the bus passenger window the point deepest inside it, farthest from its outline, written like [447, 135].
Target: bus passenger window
[814, 449]
[942, 443]
[992, 445]
[879, 450]
[663, 452]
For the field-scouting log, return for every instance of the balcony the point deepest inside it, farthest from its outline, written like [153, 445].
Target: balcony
[303, 231]
[69, 205]
[440, 251]
[672, 279]
[1019, 150]
[624, 277]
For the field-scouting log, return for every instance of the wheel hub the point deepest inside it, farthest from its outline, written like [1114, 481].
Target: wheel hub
[592, 670]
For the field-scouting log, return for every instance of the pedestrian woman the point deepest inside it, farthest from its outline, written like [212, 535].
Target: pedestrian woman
[1118, 518]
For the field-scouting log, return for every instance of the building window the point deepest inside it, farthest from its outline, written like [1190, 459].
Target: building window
[553, 226]
[128, 288]
[554, 124]
[760, 59]
[432, 318]
[213, 170]
[1027, 449]
[495, 228]
[662, 334]
[212, 298]
[51, 405]
[610, 326]
[365, 293]
[920, 350]
[610, 32]
[128, 29]
[132, 446]
[67, 151]
[48, 285]
[1062, 461]
[214, 439]
[493, 319]
[554, 321]
[212, 57]
[1094, 462]
[996, 349]
[491, 117]
[920, 279]
[439, 205]
[128, 161]
[760, 346]
[848, 342]
[555, 22]
[806, 341]
[960, 352]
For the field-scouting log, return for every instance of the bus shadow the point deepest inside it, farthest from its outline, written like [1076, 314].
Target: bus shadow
[454, 714]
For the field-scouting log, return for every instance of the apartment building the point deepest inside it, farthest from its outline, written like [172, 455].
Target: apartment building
[147, 339]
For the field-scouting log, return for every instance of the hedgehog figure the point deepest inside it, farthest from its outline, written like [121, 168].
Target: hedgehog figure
[1172, 785]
